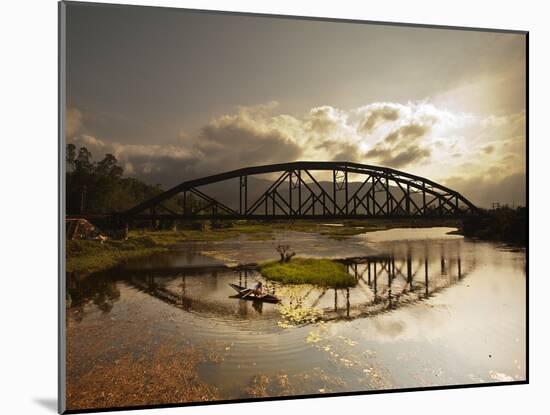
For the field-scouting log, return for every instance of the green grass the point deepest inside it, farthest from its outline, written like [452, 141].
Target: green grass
[259, 231]
[90, 256]
[323, 272]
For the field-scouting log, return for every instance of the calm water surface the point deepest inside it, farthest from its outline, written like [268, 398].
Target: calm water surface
[428, 309]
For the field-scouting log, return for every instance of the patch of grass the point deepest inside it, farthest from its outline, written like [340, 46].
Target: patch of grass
[92, 256]
[260, 237]
[323, 272]
[252, 231]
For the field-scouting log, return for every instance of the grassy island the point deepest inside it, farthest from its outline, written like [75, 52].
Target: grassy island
[323, 272]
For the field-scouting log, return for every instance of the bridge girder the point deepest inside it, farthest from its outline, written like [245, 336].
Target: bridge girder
[297, 194]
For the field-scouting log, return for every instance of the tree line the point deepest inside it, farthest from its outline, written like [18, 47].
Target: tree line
[99, 187]
[503, 224]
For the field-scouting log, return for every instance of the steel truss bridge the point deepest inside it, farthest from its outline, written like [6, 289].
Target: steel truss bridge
[296, 193]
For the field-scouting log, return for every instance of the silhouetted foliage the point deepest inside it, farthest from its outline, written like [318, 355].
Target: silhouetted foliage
[108, 167]
[502, 224]
[83, 162]
[99, 187]
[71, 157]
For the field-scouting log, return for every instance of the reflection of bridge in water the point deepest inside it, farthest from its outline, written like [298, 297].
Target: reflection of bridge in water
[383, 283]
[387, 282]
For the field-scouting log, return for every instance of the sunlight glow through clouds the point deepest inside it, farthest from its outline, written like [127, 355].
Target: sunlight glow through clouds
[417, 137]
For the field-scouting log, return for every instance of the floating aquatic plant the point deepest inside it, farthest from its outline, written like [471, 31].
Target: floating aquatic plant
[297, 314]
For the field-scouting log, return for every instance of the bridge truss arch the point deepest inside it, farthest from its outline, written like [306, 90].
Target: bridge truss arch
[295, 191]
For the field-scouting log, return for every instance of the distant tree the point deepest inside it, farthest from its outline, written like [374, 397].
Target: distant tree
[501, 224]
[108, 166]
[70, 156]
[103, 187]
[83, 162]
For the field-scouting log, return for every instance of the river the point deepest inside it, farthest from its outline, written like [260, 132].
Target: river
[429, 309]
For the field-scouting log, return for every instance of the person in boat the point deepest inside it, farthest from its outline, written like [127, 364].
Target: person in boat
[258, 289]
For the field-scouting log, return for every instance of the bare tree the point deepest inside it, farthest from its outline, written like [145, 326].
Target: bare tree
[285, 253]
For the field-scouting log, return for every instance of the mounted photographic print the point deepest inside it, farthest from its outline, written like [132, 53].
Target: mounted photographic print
[264, 207]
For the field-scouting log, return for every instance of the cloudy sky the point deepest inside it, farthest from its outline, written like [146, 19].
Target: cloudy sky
[176, 95]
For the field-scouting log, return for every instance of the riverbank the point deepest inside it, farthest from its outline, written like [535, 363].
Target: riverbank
[85, 256]
[90, 256]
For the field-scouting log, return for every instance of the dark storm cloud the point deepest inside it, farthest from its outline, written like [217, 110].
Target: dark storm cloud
[395, 158]
[400, 147]
[411, 154]
[378, 116]
[162, 170]
[239, 141]
[407, 133]
[379, 152]
[226, 143]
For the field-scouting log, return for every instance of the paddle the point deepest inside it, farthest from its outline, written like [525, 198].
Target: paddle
[248, 292]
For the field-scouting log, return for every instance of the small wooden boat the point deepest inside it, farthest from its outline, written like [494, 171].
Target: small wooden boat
[248, 294]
